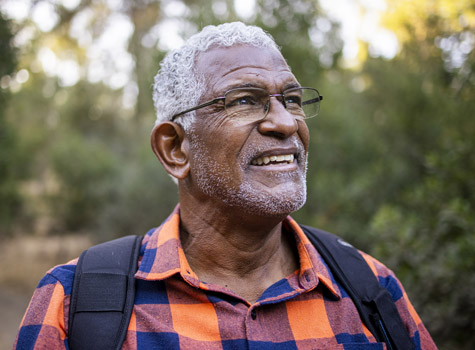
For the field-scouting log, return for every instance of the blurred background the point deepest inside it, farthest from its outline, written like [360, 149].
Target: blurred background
[392, 165]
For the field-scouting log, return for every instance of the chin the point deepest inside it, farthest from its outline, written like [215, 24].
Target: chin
[279, 203]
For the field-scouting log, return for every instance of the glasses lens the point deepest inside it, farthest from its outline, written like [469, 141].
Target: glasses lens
[304, 103]
[245, 103]
[252, 104]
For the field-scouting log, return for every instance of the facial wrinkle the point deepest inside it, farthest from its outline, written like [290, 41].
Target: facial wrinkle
[214, 180]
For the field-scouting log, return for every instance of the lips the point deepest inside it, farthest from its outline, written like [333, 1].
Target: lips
[273, 159]
[274, 155]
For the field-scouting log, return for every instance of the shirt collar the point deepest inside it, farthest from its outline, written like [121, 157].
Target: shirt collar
[312, 266]
[163, 256]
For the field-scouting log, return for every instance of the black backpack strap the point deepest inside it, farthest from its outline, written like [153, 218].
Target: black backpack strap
[103, 294]
[374, 303]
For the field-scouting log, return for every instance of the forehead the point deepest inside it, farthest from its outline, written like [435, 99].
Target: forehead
[227, 67]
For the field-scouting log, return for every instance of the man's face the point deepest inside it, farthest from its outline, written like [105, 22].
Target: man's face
[226, 153]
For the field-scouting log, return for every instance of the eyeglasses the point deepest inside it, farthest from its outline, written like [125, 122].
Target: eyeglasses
[253, 104]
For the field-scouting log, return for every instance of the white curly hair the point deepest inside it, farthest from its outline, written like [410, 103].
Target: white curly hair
[178, 87]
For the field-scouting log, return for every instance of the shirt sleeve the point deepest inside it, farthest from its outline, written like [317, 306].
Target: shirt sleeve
[45, 323]
[412, 321]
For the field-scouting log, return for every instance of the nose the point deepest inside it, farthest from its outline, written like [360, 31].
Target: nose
[278, 121]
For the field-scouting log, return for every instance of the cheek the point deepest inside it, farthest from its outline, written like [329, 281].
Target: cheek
[225, 138]
[304, 134]
[221, 140]
[211, 151]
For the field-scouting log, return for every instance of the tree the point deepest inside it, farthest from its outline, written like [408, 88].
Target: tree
[9, 197]
[418, 190]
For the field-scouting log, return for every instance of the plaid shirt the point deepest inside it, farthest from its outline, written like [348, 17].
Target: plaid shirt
[174, 309]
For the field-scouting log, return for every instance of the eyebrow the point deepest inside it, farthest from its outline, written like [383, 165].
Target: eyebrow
[244, 85]
[260, 86]
[292, 86]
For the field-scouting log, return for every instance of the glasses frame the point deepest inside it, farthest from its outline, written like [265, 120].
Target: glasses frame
[266, 108]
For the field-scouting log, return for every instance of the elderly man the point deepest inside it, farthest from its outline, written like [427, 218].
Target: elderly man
[229, 269]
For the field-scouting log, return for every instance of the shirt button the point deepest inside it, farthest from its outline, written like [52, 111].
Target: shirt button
[253, 314]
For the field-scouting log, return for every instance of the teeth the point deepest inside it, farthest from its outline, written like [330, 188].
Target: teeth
[289, 158]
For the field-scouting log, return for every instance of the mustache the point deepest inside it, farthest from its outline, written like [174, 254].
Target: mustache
[255, 149]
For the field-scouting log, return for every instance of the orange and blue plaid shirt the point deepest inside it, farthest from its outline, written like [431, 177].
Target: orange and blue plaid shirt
[174, 309]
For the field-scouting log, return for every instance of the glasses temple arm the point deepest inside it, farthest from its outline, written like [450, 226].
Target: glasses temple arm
[313, 100]
[206, 104]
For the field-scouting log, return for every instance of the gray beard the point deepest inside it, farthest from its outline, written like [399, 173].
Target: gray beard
[214, 180]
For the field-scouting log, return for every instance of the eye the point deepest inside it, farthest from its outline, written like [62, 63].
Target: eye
[243, 100]
[295, 100]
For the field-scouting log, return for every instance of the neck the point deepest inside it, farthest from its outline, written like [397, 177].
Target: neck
[236, 250]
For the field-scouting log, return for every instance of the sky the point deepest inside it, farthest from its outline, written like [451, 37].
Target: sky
[360, 20]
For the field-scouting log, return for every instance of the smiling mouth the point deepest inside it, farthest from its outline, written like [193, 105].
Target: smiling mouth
[269, 160]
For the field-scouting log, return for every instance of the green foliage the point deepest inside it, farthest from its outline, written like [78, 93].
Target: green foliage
[10, 200]
[143, 195]
[85, 171]
[8, 58]
[423, 218]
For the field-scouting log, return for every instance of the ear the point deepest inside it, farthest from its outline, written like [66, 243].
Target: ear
[170, 145]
